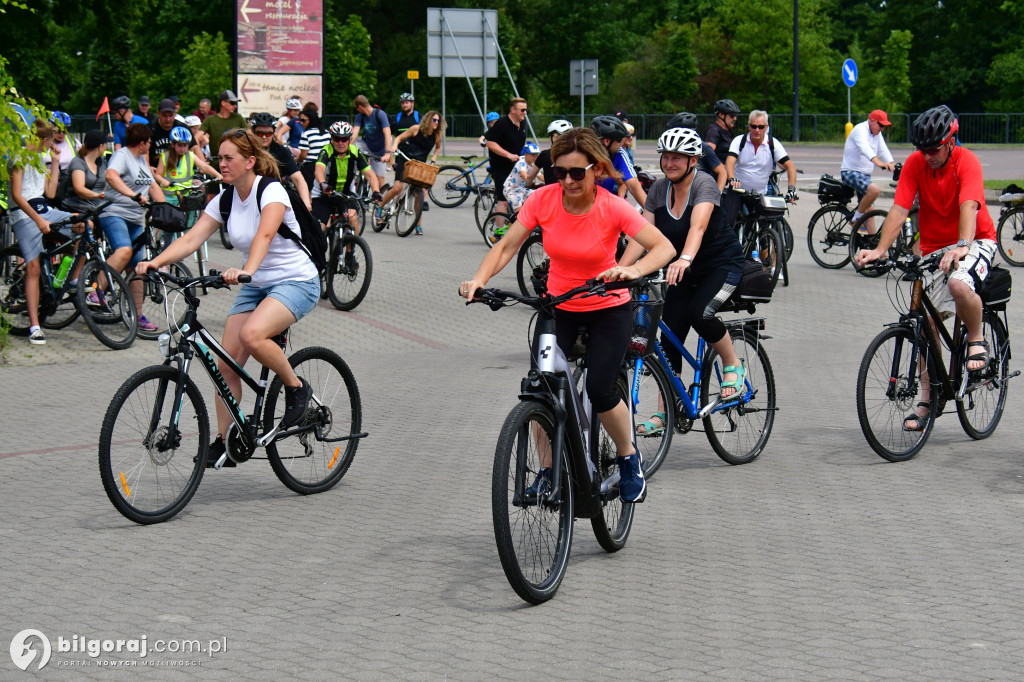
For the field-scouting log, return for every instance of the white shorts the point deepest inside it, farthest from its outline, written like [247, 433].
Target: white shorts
[972, 269]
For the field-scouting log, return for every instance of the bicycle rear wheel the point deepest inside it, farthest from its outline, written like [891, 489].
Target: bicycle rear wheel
[349, 272]
[653, 396]
[828, 236]
[738, 430]
[888, 390]
[859, 240]
[985, 390]
[150, 470]
[452, 187]
[533, 536]
[531, 265]
[111, 315]
[786, 234]
[410, 206]
[13, 305]
[1010, 236]
[310, 462]
[492, 231]
[153, 302]
[768, 244]
[483, 205]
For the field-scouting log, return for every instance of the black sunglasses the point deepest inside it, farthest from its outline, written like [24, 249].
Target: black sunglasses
[758, 127]
[576, 174]
[336, 138]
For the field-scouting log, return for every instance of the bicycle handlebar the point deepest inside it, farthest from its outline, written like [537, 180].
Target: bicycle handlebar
[214, 280]
[83, 216]
[497, 298]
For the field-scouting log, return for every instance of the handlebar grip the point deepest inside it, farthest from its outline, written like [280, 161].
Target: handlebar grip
[244, 279]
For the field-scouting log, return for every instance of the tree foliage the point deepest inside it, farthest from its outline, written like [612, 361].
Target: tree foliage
[348, 72]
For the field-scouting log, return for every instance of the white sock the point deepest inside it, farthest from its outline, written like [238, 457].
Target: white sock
[856, 216]
[33, 329]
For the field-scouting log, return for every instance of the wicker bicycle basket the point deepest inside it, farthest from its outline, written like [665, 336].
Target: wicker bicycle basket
[419, 174]
[646, 316]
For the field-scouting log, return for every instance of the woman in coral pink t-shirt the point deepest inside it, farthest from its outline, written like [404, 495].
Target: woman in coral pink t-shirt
[581, 223]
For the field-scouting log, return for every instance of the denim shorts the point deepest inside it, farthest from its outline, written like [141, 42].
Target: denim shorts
[30, 239]
[299, 296]
[121, 233]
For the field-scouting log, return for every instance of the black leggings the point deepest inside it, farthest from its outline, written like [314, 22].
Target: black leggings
[694, 303]
[608, 333]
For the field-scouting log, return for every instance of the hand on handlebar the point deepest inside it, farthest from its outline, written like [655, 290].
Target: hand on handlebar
[142, 268]
[619, 273]
[467, 290]
[234, 275]
[865, 256]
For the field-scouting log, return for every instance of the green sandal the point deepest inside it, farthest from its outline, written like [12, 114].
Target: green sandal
[741, 373]
[650, 428]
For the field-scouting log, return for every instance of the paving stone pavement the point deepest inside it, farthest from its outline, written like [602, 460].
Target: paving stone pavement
[817, 561]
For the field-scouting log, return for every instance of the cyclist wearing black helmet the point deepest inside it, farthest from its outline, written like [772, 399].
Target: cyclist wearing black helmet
[948, 183]
[719, 134]
[709, 161]
[612, 131]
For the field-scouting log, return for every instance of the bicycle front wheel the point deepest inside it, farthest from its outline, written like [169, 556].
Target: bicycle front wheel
[107, 305]
[862, 240]
[152, 453]
[451, 187]
[652, 395]
[739, 429]
[984, 398]
[13, 304]
[889, 386]
[532, 265]
[410, 206]
[314, 461]
[533, 533]
[349, 271]
[153, 302]
[828, 236]
[1010, 236]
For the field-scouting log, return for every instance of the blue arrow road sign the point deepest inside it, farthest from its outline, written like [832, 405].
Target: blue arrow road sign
[850, 73]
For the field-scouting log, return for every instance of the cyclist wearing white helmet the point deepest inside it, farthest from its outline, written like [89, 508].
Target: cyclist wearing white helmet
[543, 162]
[685, 206]
[289, 129]
[336, 169]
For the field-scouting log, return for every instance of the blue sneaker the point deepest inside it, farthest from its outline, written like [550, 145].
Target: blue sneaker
[632, 484]
[541, 485]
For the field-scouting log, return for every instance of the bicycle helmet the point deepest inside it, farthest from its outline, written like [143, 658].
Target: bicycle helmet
[530, 148]
[179, 134]
[684, 119]
[293, 103]
[726, 106]
[609, 127]
[407, 97]
[933, 128]
[340, 129]
[558, 127]
[120, 102]
[492, 116]
[681, 141]
[263, 119]
[192, 121]
[61, 118]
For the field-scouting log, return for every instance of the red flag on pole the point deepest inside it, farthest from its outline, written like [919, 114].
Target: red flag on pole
[105, 108]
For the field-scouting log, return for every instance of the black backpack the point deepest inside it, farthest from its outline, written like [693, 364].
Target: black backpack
[313, 240]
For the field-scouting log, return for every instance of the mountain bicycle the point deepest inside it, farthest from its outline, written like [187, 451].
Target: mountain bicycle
[100, 294]
[828, 232]
[890, 376]
[738, 427]
[349, 262]
[553, 425]
[757, 232]
[405, 208]
[455, 184]
[154, 441]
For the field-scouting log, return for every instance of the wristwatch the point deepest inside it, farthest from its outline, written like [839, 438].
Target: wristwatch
[963, 242]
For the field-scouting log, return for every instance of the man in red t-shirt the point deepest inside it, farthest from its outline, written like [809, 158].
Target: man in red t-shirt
[947, 180]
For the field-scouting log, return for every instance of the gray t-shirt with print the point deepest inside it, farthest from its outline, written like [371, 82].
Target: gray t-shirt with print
[134, 172]
[93, 181]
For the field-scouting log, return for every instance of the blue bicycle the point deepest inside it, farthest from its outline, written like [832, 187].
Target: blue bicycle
[737, 427]
[455, 184]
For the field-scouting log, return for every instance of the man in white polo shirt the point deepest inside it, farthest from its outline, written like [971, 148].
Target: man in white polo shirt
[751, 160]
[865, 148]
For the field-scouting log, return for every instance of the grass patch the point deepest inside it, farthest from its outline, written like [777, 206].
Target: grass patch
[5, 333]
[1000, 184]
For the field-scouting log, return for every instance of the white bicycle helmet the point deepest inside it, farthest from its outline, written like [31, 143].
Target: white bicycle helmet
[192, 121]
[559, 126]
[681, 141]
[293, 103]
[340, 129]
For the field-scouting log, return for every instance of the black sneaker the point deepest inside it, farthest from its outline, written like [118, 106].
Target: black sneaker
[541, 486]
[296, 400]
[216, 449]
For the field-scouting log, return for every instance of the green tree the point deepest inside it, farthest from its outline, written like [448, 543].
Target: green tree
[347, 71]
[205, 68]
[661, 78]
[894, 94]
[1006, 75]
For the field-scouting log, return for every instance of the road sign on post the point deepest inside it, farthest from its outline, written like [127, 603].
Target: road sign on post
[849, 79]
[582, 81]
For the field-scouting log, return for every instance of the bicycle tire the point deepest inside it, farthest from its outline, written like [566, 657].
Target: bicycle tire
[885, 400]
[982, 406]
[451, 187]
[375, 225]
[348, 282]
[533, 540]
[153, 302]
[144, 479]
[410, 208]
[739, 433]
[225, 240]
[867, 241]
[116, 321]
[770, 251]
[306, 463]
[531, 263]
[828, 236]
[612, 525]
[653, 394]
[13, 304]
[63, 315]
[483, 206]
[1010, 236]
[786, 233]
[491, 232]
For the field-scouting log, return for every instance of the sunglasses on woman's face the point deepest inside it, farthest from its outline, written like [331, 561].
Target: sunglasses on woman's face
[576, 174]
[435, 120]
[263, 133]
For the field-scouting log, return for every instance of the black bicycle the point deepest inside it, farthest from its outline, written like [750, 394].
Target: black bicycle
[758, 235]
[1010, 228]
[349, 262]
[155, 437]
[908, 353]
[553, 427]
